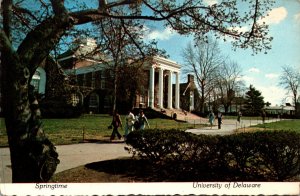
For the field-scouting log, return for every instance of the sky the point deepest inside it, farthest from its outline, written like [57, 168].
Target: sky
[260, 70]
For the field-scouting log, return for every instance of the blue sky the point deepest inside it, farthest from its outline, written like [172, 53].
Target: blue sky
[261, 70]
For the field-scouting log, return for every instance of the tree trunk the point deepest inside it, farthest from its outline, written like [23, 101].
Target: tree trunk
[226, 107]
[33, 156]
[115, 89]
[202, 99]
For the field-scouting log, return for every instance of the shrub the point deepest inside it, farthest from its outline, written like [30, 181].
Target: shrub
[59, 109]
[280, 153]
[246, 156]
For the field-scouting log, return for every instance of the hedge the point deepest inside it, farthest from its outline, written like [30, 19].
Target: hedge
[59, 109]
[265, 156]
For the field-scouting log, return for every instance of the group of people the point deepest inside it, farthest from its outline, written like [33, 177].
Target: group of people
[211, 119]
[132, 123]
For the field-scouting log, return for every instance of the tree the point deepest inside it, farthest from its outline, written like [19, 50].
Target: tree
[268, 104]
[203, 60]
[254, 101]
[31, 29]
[290, 80]
[124, 52]
[229, 83]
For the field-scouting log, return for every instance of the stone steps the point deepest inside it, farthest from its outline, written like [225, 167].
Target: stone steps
[181, 115]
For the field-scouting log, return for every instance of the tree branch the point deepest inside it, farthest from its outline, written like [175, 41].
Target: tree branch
[7, 13]
[58, 7]
[5, 44]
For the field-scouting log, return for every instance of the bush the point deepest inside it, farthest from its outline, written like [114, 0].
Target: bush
[59, 109]
[273, 156]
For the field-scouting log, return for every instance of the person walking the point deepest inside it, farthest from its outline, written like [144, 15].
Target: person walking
[129, 119]
[219, 119]
[116, 123]
[211, 119]
[263, 115]
[142, 120]
[239, 115]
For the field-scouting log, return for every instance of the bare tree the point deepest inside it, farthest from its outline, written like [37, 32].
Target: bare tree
[123, 52]
[203, 60]
[290, 80]
[42, 24]
[229, 83]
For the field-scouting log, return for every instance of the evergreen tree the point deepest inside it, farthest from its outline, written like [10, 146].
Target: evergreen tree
[254, 101]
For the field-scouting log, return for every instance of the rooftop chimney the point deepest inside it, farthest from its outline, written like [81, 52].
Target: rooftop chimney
[190, 78]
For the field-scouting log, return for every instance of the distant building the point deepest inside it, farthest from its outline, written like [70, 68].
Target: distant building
[280, 110]
[38, 81]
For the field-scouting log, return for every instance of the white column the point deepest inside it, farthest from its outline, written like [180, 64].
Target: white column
[177, 91]
[161, 88]
[151, 88]
[170, 90]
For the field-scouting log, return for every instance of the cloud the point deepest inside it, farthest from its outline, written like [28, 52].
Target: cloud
[254, 70]
[210, 2]
[248, 79]
[240, 29]
[273, 94]
[275, 16]
[165, 34]
[271, 76]
[297, 18]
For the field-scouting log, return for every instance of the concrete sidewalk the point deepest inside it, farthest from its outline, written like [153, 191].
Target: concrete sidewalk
[70, 156]
[229, 126]
[74, 155]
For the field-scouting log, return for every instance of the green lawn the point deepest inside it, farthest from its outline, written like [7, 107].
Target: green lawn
[254, 118]
[90, 127]
[293, 125]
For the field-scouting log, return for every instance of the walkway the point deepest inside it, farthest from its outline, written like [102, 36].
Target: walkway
[80, 154]
[229, 126]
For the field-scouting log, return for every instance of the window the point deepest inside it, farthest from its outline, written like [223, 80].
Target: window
[93, 79]
[106, 102]
[142, 99]
[94, 100]
[75, 99]
[102, 84]
[35, 81]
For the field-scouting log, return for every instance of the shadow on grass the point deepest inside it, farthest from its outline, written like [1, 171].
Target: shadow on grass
[141, 170]
[133, 169]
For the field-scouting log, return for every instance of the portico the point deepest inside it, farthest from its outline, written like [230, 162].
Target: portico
[159, 69]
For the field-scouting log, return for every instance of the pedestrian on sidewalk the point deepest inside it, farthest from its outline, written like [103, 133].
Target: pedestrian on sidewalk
[129, 119]
[263, 115]
[239, 115]
[116, 123]
[142, 120]
[219, 119]
[211, 118]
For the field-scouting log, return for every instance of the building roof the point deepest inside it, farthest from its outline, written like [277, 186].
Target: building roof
[87, 69]
[164, 63]
[286, 108]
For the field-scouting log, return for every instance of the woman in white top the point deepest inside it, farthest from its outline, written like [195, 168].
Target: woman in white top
[129, 122]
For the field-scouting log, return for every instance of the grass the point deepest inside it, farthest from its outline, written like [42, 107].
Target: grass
[254, 118]
[287, 125]
[89, 128]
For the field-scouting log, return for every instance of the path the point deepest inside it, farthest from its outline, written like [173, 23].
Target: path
[70, 156]
[80, 154]
[228, 126]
